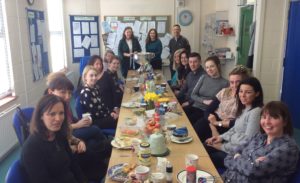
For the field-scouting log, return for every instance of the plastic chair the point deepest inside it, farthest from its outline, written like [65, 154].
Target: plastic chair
[16, 174]
[106, 131]
[83, 62]
[17, 123]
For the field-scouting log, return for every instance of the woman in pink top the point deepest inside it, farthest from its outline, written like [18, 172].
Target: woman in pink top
[220, 115]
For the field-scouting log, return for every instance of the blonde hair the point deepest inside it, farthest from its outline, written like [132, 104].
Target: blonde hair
[86, 70]
[179, 51]
[52, 76]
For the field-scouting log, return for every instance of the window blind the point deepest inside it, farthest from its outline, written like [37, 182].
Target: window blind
[57, 37]
[6, 81]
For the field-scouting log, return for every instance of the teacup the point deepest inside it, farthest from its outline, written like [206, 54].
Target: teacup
[136, 88]
[86, 116]
[142, 172]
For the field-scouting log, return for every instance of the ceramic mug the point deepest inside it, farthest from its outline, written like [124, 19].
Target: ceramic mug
[191, 160]
[87, 115]
[142, 172]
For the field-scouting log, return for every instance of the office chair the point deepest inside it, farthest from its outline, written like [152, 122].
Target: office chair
[16, 174]
[106, 131]
[21, 121]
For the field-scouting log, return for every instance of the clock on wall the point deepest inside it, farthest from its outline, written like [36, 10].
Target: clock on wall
[185, 18]
[30, 2]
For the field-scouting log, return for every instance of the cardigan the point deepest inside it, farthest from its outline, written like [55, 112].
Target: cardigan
[281, 154]
[246, 125]
[124, 48]
[49, 161]
[156, 48]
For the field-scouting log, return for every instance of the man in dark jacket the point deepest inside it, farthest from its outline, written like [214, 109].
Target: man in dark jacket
[177, 42]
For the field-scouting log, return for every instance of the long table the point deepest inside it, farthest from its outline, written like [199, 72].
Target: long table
[177, 151]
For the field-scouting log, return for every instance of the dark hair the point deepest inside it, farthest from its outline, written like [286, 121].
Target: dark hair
[277, 109]
[195, 54]
[127, 28]
[187, 56]
[115, 58]
[46, 104]
[216, 60]
[107, 52]
[148, 39]
[94, 59]
[258, 101]
[177, 25]
[240, 70]
[61, 83]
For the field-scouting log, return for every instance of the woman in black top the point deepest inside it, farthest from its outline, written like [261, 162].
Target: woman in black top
[128, 45]
[46, 155]
[105, 84]
[92, 102]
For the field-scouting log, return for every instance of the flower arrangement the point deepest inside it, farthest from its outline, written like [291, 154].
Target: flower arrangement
[151, 97]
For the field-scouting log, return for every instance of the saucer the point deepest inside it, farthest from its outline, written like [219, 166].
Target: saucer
[163, 154]
[185, 140]
[181, 176]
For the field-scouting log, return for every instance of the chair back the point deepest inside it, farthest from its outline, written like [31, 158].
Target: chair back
[16, 173]
[21, 121]
[78, 107]
[83, 62]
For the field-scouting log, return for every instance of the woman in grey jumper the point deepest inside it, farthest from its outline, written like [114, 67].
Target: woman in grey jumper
[246, 125]
[270, 156]
[206, 89]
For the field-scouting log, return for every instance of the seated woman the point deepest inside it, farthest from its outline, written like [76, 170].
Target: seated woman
[246, 124]
[46, 155]
[112, 70]
[270, 156]
[183, 68]
[91, 101]
[174, 82]
[206, 89]
[105, 84]
[220, 114]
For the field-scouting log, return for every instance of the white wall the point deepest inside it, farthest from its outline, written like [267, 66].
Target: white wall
[27, 91]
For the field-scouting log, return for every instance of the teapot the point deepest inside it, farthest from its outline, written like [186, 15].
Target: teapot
[157, 144]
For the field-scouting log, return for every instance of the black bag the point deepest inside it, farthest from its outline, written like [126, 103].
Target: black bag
[24, 124]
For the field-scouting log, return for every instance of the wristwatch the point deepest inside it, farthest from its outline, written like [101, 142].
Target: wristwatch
[220, 124]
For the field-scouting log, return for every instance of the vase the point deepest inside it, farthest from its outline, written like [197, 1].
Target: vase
[150, 105]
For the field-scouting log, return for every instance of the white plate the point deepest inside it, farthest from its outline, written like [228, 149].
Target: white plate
[116, 174]
[118, 146]
[130, 104]
[181, 176]
[185, 141]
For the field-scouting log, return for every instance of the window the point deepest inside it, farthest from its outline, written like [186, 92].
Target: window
[57, 37]
[6, 78]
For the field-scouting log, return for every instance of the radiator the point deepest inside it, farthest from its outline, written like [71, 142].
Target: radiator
[8, 138]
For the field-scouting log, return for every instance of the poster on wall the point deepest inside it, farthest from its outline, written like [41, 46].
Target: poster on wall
[84, 36]
[38, 44]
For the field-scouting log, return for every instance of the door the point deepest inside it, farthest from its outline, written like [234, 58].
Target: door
[291, 75]
[246, 18]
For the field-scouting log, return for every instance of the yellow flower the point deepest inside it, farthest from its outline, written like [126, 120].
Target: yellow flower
[151, 96]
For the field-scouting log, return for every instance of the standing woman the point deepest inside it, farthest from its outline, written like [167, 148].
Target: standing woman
[91, 101]
[246, 124]
[154, 45]
[46, 155]
[128, 45]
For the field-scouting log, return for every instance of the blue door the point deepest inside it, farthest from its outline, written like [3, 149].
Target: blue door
[291, 76]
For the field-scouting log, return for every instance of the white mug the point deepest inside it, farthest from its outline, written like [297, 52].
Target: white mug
[191, 160]
[142, 172]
